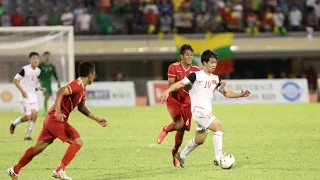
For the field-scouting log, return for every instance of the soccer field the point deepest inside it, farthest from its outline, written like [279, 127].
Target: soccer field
[268, 141]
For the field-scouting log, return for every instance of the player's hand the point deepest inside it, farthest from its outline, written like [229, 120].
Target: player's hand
[164, 96]
[59, 115]
[245, 93]
[102, 122]
[24, 94]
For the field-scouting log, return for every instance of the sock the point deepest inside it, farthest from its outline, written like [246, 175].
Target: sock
[189, 147]
[45, 106]
[30, 128]
[16, 121]
[178, 142]
[69, 155]
[24, 160]
[217, 142]
[170, 127]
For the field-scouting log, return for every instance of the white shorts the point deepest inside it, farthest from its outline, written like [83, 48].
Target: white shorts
[26, 108]
[203, 118]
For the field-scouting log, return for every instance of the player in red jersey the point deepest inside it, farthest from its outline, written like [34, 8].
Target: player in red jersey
[178, 103]
[56, 123]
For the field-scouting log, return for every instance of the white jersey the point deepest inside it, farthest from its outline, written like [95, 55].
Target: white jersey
[203, 87]
[29, 79]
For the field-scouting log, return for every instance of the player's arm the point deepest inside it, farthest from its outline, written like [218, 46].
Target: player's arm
[16, 80]
[179, 85]
[230, 93]
[85, 111]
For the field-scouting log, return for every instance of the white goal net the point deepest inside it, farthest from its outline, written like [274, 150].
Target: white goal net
[17, 42]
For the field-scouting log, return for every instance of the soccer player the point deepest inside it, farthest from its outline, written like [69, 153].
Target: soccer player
[27, 83]
[47, 71]
[204, 84]
[178, 103]
[56, 123]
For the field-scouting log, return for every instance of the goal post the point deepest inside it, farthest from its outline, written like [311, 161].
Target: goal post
[17, 42]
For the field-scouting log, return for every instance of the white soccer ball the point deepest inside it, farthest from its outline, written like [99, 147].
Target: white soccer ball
[227, 161]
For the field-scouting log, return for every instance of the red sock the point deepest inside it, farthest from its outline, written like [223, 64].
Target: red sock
[170, 127]
[177, 142]
[24, 160]
[69, 155]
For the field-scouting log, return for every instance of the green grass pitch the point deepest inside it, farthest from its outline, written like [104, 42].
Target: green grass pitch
[268, 141]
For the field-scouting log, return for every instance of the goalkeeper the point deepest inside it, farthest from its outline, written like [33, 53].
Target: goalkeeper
[47, 71]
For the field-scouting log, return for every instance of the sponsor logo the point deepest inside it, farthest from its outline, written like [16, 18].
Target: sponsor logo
[6, 96]
[291, 91]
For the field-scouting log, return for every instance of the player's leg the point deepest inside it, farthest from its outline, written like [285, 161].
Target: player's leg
[217, 127]
[70, 135]
[26, 111]
[174, 109]
[47, 95]
[44, 140]
[33, 119]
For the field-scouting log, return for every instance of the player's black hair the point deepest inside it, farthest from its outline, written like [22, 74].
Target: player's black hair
[207, 55]
[46, 53]
[185, 48]
[33, 54]
[85, 68]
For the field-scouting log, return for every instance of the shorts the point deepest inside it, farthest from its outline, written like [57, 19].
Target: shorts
[53, 128]
[26, 107]
[203, 118]
[177, 111]
[48, 88]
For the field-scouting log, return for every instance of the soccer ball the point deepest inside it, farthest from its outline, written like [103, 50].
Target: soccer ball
[227, 161]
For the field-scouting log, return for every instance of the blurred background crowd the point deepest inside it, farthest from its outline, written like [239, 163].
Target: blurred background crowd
[164, 16]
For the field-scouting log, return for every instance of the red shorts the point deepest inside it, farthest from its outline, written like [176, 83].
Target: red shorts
[53, 128]
[176, 111]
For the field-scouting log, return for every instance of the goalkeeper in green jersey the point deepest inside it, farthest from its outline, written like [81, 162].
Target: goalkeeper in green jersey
[47, 71]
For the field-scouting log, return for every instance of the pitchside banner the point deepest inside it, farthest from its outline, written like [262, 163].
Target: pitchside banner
[263, 91]
[99, 94]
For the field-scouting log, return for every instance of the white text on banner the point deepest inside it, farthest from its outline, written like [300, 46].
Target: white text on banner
[263, 91]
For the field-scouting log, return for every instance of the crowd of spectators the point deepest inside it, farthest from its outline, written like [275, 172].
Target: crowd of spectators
[168, 16]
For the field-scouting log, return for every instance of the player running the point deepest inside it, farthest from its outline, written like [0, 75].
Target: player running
[47, 71]
[178, 103]
[27, 83]
[56, 123]
[204, 85]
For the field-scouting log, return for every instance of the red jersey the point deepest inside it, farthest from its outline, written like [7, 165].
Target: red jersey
[68, 103]
[177, 71]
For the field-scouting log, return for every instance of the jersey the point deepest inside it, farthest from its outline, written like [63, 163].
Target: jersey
[177, 71]
[47, 71]
[204, 86]
[68, 103]
[28, 78]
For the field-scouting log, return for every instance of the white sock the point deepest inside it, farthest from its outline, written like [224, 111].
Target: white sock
[30, 128]
[16, 121]
[217, 142]
[191, 145]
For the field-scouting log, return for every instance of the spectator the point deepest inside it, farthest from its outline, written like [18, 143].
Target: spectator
[278, 21]
[102, 21]
[295, 18]
[312, 20]
[253, 23]
[84, 22]
[31, 20]
[267, 19]
[17, 18]
[1, 9]
[284, 7]
[54, 18]
[316, 8]
[67, 17]
[166, 23]
[310, 4]
[78, 11]
[202, 21]
[187, 18]
[105, 4]
[150, 6]
[43, 18]
[238, 12]
[5, 19]
[127, 7]
[130, 25]
[165, 7]
[312, 79]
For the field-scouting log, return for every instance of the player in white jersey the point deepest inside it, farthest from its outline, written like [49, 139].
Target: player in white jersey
[204, 84]
[27, 81]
